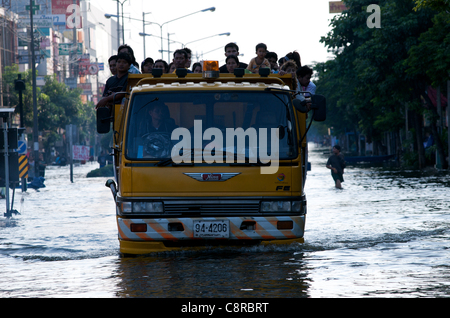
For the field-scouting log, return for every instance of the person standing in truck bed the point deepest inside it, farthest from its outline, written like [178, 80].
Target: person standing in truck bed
[116, 83]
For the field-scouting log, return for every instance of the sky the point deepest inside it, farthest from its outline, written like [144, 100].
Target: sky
[283, 26]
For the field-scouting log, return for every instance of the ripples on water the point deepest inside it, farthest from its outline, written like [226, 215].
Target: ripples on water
[386, 234]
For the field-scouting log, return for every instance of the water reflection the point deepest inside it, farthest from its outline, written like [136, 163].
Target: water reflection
[214, 274]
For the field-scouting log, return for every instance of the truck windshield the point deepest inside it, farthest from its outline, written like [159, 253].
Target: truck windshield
[215, 121]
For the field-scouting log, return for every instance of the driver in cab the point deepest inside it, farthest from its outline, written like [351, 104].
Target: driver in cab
[156, 132]
[160, 121]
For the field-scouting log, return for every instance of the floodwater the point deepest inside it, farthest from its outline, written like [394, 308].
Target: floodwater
[386, 234]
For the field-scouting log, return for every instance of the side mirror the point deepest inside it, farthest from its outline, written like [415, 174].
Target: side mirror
[103, 120]
[319, 105]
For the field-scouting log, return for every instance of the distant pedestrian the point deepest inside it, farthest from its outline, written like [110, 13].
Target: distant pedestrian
[102, 159]
[337, 164]
[41, 165]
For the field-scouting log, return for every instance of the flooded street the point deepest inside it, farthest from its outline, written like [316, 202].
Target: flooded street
[386, 234]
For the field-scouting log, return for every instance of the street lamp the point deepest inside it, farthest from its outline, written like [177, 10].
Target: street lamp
[169, 41]
[123, 23]
[143, 29]
[108, 16]
[227, 34]
[212, 9]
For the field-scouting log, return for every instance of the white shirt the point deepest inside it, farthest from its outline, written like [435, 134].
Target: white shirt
[310, 88]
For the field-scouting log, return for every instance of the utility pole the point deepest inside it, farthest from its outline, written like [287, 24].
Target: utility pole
[448, 123]
[9, 163]
[168, 47]
[118, 27]
[19, 86]
[32, 9]
[439, 164]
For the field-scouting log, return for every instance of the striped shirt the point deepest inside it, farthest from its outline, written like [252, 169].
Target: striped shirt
[133, 70]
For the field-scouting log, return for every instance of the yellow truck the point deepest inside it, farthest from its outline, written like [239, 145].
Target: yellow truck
[209, 159]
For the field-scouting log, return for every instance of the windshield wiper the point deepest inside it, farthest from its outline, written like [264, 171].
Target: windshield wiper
[154, 100]
[164, 162]
[168, 161]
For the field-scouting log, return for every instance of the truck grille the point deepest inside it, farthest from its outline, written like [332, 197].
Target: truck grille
[212, 207]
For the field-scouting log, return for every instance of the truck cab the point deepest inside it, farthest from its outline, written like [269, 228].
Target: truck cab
[208, 159]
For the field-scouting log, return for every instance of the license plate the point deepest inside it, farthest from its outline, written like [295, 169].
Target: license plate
[212, 229]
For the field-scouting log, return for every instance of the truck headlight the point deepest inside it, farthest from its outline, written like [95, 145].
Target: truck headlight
[281, 206]
[296, 206]
[141, 207]
[276, 206]
[125, 207]
[147, 207]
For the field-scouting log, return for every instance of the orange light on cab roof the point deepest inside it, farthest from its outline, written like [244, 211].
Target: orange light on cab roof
[211, 66]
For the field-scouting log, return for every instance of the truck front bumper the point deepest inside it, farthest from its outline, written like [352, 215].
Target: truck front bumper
[143, 236]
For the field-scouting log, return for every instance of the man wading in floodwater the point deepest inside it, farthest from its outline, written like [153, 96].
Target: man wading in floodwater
[337, 164]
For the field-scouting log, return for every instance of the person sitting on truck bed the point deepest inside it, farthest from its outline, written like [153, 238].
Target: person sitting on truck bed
[116, 83]
[147, 65]
[304, 74]
[197, 68]
[180, 58]
[290, 67]
[232, 63]
[161, 64]
[189, 57]
[295, 56]
[260, 60]
[112, 62]
[134, 66]
[231, 49]
[272, 57]
[172, 68]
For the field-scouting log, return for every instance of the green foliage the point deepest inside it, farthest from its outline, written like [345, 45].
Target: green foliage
[439, 5]
[432, 53]
[61, 106]
[57, 105]
[106, 171]
[378, 71]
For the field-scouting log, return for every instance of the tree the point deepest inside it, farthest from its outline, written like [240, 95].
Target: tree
[57, 104]
[373, 60]
[60, 107]
[438, 5]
